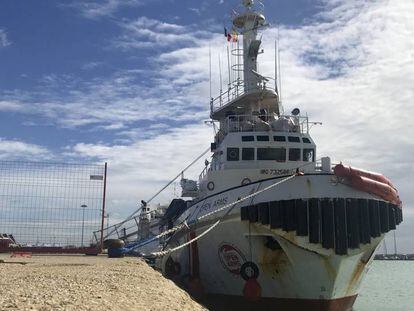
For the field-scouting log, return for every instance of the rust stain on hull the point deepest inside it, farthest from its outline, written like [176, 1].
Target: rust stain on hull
[309, 186]
[356, 276]
[274, 262]
[291, 236]
[329, 268]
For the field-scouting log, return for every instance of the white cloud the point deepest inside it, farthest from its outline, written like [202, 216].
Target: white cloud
[127, 96]
[138, 170]
[91, 65]
[95, 9]
[4, 40]
[11, 106]
[150, 33]
[14, 149]
[195, 10]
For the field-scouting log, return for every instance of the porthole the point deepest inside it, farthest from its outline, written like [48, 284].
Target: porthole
[232, 154]
[210, 186]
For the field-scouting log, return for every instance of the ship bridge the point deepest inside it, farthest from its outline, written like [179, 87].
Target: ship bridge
[248, 148]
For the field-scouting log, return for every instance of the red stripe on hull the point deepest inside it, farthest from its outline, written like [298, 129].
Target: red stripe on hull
[225, 302]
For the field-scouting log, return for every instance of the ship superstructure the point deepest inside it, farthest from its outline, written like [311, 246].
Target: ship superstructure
[254, 139]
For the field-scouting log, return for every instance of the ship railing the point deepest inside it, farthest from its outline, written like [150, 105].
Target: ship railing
[204, 172]
[257, 6]
[264, 123]
[234, 91]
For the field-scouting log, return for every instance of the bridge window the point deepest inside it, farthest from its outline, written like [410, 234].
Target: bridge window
[276, 154]
[308, 155]
[262, 138]
[306, 140]
[279, 138]
[294, 154]
[293, 139]
[247, 138]
[232, 154]
[248, 154]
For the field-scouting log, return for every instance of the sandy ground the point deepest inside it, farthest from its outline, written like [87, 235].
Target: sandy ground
[87, 283]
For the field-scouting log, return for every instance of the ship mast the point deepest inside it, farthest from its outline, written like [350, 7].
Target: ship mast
[248, 23]
[249, 94]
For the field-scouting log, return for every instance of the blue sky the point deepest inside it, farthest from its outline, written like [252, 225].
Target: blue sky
[127, 82]
[57, 50]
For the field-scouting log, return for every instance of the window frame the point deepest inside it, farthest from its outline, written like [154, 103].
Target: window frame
[251, 138]
[228, 152]
[294, 139]
[270, 159]
[313, 154]
[248, 149]
[279, 139]
[262, 136]
[300, 154]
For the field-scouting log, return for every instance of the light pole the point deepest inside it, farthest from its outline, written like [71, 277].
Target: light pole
[83, 220]
[107, 222]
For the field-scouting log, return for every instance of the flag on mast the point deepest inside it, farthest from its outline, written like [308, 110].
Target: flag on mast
[231, 37]
[235, 35]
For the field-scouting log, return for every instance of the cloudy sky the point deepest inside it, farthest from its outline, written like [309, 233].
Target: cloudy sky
[126, 81]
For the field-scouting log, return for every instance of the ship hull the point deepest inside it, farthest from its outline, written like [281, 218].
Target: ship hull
[224, 303]
[249, 260]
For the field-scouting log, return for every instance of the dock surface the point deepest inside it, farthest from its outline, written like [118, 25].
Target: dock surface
[86, 283]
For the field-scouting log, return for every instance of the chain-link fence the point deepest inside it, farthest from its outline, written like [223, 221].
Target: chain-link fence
[53, 207]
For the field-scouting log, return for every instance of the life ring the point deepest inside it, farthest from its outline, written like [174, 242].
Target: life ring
[246, 181]
[210, 186]
[233, 154]
[249, 270]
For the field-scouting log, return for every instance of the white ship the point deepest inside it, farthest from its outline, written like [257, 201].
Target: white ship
[268, 225]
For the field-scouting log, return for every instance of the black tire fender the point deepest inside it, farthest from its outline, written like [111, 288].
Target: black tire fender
[249, 270]
[113, 243]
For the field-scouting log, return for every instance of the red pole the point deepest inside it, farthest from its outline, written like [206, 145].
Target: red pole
[103, 207]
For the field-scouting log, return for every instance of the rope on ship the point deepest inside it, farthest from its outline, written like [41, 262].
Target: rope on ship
[184, 224]
[230, 205]
[115, 227]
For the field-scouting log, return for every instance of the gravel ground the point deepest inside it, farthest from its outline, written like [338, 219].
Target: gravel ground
[87, 283]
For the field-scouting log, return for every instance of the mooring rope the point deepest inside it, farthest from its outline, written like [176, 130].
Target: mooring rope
[232, 205]
[131, 216]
